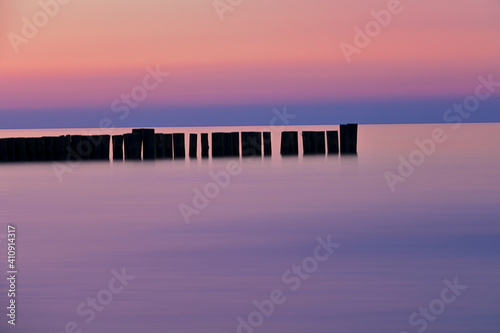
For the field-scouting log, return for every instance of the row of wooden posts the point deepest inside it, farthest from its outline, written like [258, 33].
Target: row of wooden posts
[148, 145]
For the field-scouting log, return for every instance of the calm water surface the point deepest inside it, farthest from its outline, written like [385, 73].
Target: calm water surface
[396, 248]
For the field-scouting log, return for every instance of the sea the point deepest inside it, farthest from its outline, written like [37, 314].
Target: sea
[402, 237]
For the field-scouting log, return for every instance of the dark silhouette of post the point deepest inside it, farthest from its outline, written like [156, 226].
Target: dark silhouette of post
[289, 143]
[60, 151]
[132, 143]
[313, 143]
[235, 144]
[3, 151]
[79, 146]
[169, 141]
[226, 144]
[217, 144]
[332, 138]
[96, 144]
[204, 145]
[49, 148]
[147, 141]
[11, 150]
[267, 144]
[348, 139]
[19, 149]
[227, 149]
[251, 144]
[179, 146]
[148, 144]
[118, 147]
[40, 149]
[160, 146]
[193, 145]
[30, 149]
[105, 156]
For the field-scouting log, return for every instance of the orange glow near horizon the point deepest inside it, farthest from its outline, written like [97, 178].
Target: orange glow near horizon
[285, 49]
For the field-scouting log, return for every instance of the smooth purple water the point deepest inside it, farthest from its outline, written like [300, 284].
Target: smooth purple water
[396, 249]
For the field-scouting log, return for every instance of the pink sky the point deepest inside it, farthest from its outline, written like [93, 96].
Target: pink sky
[92, 51]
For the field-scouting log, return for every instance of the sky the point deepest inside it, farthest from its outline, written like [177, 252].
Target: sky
[69, 63]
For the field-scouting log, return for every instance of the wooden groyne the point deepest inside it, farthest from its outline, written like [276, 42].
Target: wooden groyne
[145, 144]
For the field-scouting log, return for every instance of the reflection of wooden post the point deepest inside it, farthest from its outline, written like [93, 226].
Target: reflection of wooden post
[314, 143]
[40, 149]
[332, 138]
[132, 146]
[251, 144]
[179, 146]
[30, 149]
[348, 138]
[168, 140]
[267, 144]
[160, 146]
[193, 145]
[49, 148]
[204, 145]
[289, 143]
[118, 147]
[3, 151]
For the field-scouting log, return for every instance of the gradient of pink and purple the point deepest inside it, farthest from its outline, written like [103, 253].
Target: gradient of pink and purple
[263, 53]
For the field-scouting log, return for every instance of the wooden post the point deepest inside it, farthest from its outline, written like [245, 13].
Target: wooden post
[30, 149]
[148, 144]
[118, 147]
[193, 145]
[132, 146]
[105, 156]
[217, 144]
[289, 143]
[96, 144]
[348, 139]
[59, 149]
[19, 149]
[11, 150]
[160, 146]
[251, 144]
[40, 149]
[235, 144]
[49, 148]
[204, 145]
[147, 141]
[3, 151]
[169, 141]
[332, 138]
[79, 145]
[179, 146]
[313, 143]
[227, 148]
[267, 144]
[353, 138]
[66, 140]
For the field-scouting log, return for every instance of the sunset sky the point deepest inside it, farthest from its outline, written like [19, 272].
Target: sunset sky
[264, 54]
